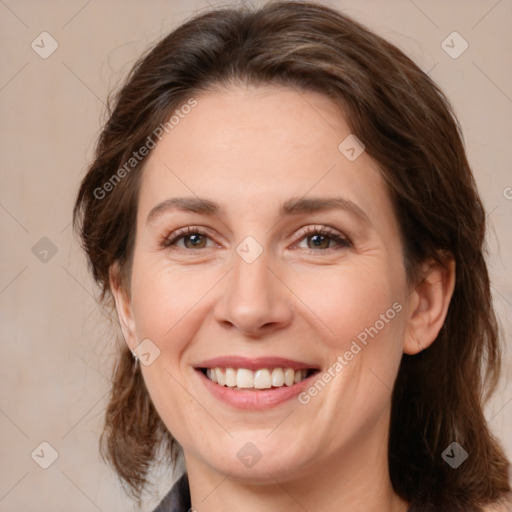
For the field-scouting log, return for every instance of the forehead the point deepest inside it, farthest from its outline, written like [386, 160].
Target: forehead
[255, 147]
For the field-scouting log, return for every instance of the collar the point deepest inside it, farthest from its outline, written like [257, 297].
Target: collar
[178, 498]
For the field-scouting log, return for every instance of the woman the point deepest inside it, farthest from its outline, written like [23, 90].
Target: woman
[282, 212]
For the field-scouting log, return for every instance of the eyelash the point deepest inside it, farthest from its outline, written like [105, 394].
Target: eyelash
[169, 240]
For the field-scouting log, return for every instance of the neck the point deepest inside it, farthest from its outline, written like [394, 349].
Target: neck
[354, 480]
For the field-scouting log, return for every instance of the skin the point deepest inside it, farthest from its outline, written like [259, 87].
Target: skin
[250, 149]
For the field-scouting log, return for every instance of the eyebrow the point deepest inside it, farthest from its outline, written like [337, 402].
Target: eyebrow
[292, 206]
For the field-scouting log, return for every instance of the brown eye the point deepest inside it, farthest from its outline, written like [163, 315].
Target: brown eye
[319, 241]
[193, 238]
[323, 239]
[196, 240]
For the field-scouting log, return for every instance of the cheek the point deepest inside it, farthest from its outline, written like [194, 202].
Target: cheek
[346, 300]
[166, 304]
[164, 299]
[338, 301]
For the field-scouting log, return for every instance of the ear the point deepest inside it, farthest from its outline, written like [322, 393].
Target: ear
[123, 306]
[428, 305]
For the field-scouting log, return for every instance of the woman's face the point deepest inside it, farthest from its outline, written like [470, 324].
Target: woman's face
[292, 264]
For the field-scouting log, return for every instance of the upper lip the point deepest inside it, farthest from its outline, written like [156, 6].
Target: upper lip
[256, 363]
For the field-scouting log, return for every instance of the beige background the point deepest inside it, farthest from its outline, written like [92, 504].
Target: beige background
[55, 341]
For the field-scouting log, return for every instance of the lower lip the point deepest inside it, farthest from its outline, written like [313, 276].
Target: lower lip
[254, 399]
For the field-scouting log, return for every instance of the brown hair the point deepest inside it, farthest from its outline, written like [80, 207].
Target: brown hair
[409, 128]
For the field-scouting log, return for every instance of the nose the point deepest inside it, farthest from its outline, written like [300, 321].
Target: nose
[255, 300]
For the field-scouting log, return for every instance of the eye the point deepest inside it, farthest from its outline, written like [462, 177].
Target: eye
[323, 237]
[193, 238]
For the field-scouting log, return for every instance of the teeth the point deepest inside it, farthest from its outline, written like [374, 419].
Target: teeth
[262, 379]
[230, 377]
[277, 377]
[242, 378]
[289, 376]
[221, 378]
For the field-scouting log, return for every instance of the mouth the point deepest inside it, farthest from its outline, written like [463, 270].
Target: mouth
[255, 383]
[263, 378]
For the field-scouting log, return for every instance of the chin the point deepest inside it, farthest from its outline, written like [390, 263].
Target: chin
[262, 461]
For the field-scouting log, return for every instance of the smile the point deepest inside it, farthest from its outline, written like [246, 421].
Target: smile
[263, 378]
[254, 384]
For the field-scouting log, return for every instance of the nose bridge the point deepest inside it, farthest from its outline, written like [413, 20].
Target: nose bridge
[253, 297]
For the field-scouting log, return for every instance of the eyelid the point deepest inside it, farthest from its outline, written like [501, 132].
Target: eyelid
[171, 238]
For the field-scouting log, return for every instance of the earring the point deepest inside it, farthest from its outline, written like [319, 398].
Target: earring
[421, 348]
[135, 359]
